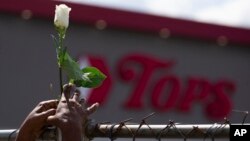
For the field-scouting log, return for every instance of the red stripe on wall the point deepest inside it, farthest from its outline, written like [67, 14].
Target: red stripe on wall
[131, 20]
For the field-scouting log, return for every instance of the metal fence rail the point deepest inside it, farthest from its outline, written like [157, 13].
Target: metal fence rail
[113, 131]
[143, 130]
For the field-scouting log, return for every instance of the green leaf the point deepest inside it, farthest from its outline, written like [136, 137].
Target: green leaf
[89, 77]
[71, 68]
[92, 77]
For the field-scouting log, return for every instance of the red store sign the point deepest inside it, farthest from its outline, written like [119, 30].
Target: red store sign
[169, 92]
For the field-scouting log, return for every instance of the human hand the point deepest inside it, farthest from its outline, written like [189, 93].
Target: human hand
[32, 126]
[71, 114]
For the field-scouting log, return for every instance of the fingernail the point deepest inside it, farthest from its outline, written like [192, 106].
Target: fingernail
[97, 104]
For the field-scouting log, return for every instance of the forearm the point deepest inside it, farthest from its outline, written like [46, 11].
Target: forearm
[25, 136]
[75, 137]
[72, 137]
[72, 134]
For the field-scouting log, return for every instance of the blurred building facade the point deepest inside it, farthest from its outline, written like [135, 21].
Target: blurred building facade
[185, 71]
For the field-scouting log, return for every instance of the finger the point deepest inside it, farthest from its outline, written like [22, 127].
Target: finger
[83, 103]
[90, 110]
[76, 96]
[51, 103]
[52, 120]
[68, 90]
[47, 113]
[74, 103]
[46, 105]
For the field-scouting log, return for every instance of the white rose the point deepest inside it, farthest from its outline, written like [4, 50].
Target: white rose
[61, 19]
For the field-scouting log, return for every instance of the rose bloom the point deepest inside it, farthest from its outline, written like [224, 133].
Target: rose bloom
[61, 19]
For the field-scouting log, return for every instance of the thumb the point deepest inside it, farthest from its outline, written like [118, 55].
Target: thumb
[68, 90]
[47, 113]
[52, 120]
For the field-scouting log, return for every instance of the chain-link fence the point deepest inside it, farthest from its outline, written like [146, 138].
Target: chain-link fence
[125, 129]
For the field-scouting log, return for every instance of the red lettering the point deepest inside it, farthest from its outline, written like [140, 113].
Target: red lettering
[220, 106]
[127, 70]
[139, 69]
[197, 89]
[162, 103]
[100, 94]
